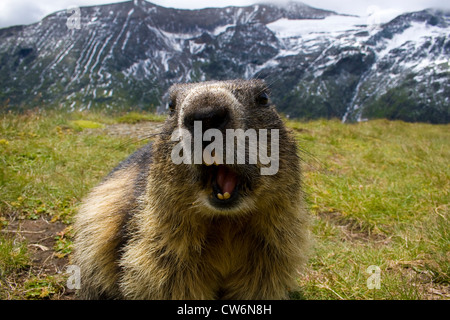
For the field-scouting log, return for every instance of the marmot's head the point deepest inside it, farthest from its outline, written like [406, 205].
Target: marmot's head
[227, 145]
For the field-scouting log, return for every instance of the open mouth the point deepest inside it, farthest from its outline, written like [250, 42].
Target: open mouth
[225, 184]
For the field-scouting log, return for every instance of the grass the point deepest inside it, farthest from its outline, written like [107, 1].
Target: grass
[13, 256]
[14, 259]
[378, 194]
[135, 117]
[86, 124]
[47, 164]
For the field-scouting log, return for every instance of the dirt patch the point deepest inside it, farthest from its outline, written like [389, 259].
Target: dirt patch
[421, 278]
[40, 236]
[354, 230]
[302, 130]
[140, 130]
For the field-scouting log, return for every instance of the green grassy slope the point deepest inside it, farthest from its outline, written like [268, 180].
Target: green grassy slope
[378, 194]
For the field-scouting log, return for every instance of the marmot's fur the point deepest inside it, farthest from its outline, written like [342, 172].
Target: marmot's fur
[154, 229]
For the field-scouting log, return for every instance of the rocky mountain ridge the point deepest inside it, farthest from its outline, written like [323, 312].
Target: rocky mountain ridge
[318, 63]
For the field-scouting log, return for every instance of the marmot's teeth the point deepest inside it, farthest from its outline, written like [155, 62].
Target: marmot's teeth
[226, 195]
[220, 196]
[209, 164]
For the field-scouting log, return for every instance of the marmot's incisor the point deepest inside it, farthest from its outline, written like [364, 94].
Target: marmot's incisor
[154, 229]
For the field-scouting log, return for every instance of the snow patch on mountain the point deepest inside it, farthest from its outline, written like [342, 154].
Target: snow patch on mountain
[310, 28]
[416, 34]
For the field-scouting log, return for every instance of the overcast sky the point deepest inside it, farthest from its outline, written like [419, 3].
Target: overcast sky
[14, 12]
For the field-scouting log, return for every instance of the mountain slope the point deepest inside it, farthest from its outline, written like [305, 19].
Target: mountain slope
[399, 70]
[319, 63]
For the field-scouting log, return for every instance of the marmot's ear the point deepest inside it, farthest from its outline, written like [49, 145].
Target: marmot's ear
[172, 105]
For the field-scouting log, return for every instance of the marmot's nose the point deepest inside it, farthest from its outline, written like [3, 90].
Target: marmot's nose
[212, 117]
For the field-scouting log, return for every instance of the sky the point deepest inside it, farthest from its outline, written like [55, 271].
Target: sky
[15, 12]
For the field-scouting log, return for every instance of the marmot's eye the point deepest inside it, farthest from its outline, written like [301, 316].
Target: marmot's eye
[172, 106]
[262, 99]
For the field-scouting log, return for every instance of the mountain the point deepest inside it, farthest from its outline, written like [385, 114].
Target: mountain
[355, 71]
[318, 63]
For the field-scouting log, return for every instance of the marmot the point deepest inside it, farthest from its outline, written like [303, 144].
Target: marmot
[154, 229]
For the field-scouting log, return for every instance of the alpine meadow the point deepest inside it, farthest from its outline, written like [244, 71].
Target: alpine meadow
[377, 192]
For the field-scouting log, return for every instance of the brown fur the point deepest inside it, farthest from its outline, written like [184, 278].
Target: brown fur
[149, 232]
